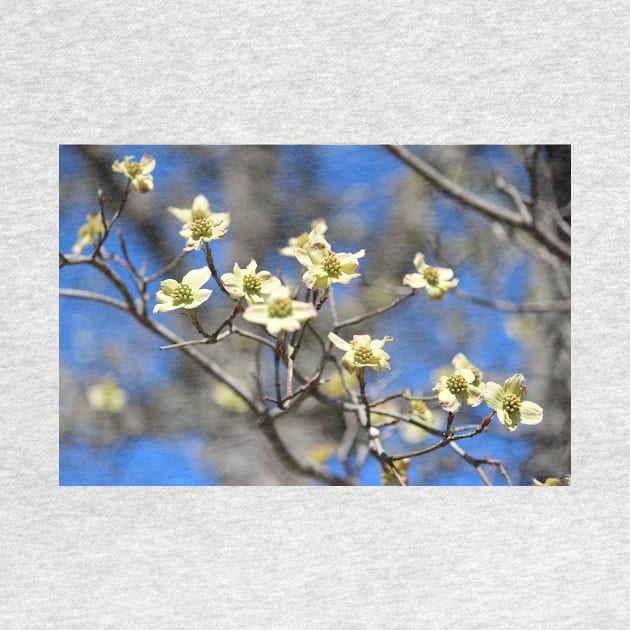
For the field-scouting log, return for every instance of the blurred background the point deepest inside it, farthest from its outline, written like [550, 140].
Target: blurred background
[131, 414]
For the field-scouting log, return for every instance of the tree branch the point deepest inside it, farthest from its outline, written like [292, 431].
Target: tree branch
[481, 205]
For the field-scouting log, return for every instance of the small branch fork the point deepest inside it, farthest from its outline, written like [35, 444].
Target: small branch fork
[521, 219]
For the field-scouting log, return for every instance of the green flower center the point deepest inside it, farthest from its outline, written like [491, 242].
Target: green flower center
[511, 403]
[251, 284]
[282, 307]
[456, 383]
[431, 275]
[182, 294]
[201, 228]
[133, 168]
[331, 265]
[363, 355]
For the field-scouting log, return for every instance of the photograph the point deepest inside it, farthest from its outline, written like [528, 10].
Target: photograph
[314, 315]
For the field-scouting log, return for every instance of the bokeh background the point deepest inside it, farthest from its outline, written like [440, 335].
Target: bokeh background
[177, 427]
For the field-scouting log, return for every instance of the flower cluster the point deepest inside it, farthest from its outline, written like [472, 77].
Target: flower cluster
[298, 242]
[323, 266]
[273, 305]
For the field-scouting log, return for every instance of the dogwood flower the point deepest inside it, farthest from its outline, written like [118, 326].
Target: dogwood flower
[510, 404]
[421, 413]
[106, 396]
[137, 172]
[200, 210]
[249, 284]
[201, 231]
[318, 226]
[280, 313]
[435, 280]
[325, 267]
[362, 352]
[89, 232]
[458, 389]
[461, 361]
[564, 480]
[185, 294]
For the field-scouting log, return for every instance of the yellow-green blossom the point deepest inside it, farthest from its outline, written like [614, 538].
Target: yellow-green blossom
[318, 226]
[280, 313]
[510, 404]
[420, 412]
[458, 389]
[324, 266]
[249, 284]
[460, 361]
[435, 280]
[89, 232]
[225, 397]
[565, 480]
[137, 172]
[200, 210]
[362, 352]
[202, 230]
[185, 294]
[334, 387]
[106, 396]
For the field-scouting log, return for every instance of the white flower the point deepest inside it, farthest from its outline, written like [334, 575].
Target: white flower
[280, 313]
[201, 231]
[249, 284]
[89, 232]
[318, 226]
[200, 210]
[325, 267]
[457, 389]
[185, 294]
[510, 404]
[362, 351]
[137, 172]
[435, 280]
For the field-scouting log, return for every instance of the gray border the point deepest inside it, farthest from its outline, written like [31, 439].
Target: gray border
[292, 557]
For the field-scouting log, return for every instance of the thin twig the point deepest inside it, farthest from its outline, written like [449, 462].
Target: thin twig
[514, 307]
[167, 268]
[279, 351]
[516, 198]
[481, 205]
[213, 270]
[476, 463]
[378, 311]
[108, 226]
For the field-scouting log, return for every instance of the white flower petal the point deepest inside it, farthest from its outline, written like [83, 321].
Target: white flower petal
[196, 278]
[531, 413]
[257, 314]
[493, 396]
[342, 344]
